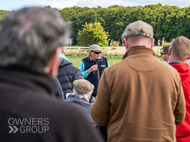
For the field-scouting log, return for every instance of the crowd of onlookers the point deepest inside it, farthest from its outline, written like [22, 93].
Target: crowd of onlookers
[139, 99]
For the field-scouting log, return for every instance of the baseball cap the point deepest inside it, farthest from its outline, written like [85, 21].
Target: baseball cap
[95, 48]
[138, 28]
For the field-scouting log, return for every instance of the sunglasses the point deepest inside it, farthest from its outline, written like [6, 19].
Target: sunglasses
[163, 53]
[97, 52]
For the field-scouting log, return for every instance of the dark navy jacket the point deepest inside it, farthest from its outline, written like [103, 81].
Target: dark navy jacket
[93, 77]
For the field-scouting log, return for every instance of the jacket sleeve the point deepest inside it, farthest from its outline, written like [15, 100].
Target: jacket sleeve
[59, 92]
[179, 111]
[100, 110]
[84, 72]
[78, 74]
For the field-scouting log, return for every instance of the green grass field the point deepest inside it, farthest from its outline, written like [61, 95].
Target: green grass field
[112, 59]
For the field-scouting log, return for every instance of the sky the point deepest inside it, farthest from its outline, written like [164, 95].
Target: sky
[10, 5]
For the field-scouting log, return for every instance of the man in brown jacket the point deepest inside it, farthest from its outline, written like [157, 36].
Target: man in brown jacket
[140, 99]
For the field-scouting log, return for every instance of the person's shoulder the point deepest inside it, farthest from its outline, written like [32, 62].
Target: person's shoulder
[167, 70]
[165, 66]
[104, 58]
[86, 58]
[51, 107]
[64, 63]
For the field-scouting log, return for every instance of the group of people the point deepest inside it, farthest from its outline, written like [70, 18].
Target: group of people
[139, 99]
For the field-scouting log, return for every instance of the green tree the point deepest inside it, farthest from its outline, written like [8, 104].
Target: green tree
[3, 13]
[92, 33]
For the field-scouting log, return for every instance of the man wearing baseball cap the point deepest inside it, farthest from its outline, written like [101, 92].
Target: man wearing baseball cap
[140, 99]
[92, 66]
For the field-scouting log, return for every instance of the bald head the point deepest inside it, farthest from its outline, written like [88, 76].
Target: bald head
[180, 48]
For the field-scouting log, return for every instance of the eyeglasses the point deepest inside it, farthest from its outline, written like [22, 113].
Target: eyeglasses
[163, 53]
[97, 52]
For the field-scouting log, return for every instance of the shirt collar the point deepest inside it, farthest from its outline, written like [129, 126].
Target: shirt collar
[172, 63]
[93, 59]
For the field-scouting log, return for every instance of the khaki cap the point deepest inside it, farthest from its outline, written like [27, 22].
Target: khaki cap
[82, 86]
[138, 28]
[95, 48]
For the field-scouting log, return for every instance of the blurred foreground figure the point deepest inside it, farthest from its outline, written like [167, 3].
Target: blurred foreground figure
[30, 42]
[179, 53]
[140, 99]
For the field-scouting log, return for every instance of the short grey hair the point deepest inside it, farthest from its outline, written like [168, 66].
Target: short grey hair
[30, 36]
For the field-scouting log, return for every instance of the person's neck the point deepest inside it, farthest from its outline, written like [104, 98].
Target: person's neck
[92, 58]
[139, 45]
[173, 59]
[167, 60]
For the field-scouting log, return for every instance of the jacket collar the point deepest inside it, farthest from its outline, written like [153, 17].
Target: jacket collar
[32, 81]
[139, 50]
[76, 97]
[64, 63]
[181, 67]
[90, 59]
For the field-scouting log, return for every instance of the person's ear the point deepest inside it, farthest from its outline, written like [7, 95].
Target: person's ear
[188, 57]
[126, 43]
[152, 43]
[54, 62]
[169, 52]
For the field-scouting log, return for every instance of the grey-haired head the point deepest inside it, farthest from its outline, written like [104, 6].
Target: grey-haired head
[30, 36]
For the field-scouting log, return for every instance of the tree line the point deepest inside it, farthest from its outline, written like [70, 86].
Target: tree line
[168, 21]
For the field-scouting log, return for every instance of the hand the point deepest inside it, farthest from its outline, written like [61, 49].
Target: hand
[92, 68]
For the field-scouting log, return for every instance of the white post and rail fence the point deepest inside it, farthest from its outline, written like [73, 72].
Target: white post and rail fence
[107, 50]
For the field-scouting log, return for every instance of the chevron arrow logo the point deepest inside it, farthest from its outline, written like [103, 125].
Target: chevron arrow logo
[14, 129]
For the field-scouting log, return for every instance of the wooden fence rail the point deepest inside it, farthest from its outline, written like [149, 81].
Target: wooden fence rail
[157, 49]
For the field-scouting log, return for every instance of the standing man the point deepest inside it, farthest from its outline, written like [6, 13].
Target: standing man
[67, 74]
[164, 53]
[140, 99]
[30, 42]
[93, 66]
[179, 53]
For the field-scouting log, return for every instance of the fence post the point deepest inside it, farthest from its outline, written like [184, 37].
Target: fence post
[78, 49]
[108, 51]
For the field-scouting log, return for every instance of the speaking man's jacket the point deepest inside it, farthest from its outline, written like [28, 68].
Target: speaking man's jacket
[93, 76]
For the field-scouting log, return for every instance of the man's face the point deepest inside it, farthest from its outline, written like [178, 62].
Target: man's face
[164, 55]
[95, 55]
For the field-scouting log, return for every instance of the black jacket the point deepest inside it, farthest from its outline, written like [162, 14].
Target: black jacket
[59, 92]
[67, 74]
[29, 96]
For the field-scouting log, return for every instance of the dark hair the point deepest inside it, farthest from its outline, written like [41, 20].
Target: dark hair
[30, 36]
[166, 48]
